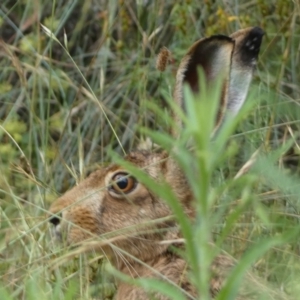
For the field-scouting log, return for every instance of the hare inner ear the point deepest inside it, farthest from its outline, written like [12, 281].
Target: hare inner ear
[247, 45]
[213, 55]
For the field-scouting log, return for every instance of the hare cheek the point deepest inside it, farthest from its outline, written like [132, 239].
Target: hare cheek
[142, 212]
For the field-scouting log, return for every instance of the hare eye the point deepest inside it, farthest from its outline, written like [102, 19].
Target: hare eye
[123, 183]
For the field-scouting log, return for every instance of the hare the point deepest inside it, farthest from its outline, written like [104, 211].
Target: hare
[111, 199]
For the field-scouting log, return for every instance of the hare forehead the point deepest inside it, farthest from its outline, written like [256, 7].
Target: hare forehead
[90, 194]
[153, 163]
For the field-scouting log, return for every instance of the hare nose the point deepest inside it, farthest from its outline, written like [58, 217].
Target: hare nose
[55, 221]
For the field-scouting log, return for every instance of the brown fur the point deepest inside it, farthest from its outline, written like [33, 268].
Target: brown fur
[93, 209]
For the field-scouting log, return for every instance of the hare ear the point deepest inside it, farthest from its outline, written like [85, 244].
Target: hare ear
[247, 45]
[213, 55]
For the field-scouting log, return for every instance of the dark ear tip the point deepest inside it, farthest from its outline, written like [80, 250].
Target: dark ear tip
[250, 45]
[257, 31]
[255, 36]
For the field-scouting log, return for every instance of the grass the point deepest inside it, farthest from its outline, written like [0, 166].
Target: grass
[57, 106]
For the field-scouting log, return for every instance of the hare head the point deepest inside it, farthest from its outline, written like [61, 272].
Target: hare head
[111, 199]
